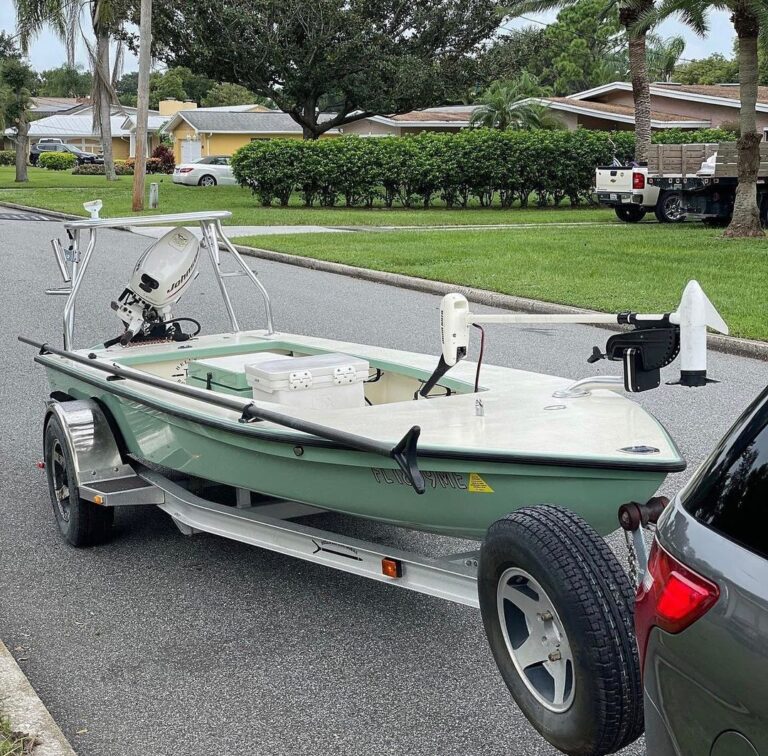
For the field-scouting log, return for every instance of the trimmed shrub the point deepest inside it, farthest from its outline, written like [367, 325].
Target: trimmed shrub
[678, 136]
[57, 161]
[97, 169]
[7, 157]
[415, 171]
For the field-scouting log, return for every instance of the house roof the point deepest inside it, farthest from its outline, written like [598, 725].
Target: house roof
[80, 125]
[56, 104]
[725, 95]
[252, 107]
[216, 121]
[155, 122]
[620, 113]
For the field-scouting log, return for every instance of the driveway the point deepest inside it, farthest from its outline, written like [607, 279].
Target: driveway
[161, 644]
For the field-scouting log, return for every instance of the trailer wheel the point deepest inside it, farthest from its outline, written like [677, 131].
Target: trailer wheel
[81, 522]
[630, 213]
[669, 208]
[558, 613]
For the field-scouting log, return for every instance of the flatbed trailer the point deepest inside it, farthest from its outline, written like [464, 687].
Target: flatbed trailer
[705, 197]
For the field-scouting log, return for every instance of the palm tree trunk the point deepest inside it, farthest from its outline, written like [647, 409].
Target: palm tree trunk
[103, 97]
[22, 148]
[746, 217]
[638, 69]
[142, 112]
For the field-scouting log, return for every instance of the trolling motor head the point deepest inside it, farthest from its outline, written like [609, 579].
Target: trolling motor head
[653, 343]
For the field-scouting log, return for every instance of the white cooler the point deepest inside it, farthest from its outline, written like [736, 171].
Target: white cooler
[321, 381]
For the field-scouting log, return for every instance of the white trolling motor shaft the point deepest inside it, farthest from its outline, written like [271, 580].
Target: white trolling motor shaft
[694, 315]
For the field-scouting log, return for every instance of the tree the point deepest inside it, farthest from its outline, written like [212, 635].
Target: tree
[65, 82]
[232, 94]
[663, 55]
[629, 12]
[142, 111]
[106, 18]
[747, 17]
[16, 82]
[507, 105]
[127, 88]
[166, 86]
[715, 69]
[8, 47]
[380, 56]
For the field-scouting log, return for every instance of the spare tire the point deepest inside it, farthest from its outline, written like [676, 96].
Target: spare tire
[558, 611]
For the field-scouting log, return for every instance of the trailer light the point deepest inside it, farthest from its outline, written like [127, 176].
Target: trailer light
[98, 499]
[638, 181]
[391, 567]
[40, 465]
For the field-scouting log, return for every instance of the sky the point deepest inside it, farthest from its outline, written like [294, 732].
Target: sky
[48, 52]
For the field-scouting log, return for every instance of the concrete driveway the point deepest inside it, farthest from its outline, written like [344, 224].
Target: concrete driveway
[161, 644]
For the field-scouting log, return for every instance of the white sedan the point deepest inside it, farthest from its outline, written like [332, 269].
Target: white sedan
[207, 171]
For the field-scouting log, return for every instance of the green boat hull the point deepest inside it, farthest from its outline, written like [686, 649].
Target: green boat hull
[463, 497]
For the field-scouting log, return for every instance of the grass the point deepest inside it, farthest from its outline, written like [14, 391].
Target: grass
[44, 190]
[14, 743]
[643, 267]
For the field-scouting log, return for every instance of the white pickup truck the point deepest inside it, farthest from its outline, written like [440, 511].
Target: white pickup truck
[626, 189]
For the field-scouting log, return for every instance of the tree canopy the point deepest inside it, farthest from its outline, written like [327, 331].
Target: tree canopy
[371, 56]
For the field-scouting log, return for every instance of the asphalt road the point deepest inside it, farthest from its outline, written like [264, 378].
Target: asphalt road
[161, 644]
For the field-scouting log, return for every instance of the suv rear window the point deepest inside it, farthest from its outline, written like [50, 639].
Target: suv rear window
[730, 492]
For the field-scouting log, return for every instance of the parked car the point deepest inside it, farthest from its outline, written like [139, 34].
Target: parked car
[207, 171]
[702, 607]
[81, 156]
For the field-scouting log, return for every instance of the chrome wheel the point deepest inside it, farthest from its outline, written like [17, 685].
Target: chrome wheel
[536, 640]
[673, 208]
[60, 480]
[207, 181]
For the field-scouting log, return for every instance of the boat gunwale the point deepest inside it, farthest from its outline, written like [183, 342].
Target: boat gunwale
[426, 452]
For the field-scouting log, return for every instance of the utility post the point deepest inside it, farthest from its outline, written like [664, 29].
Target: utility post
[142, 112]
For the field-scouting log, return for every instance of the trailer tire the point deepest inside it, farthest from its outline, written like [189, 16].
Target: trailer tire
[80, 522]
[557, 605]
[669, 208]
[630, 213]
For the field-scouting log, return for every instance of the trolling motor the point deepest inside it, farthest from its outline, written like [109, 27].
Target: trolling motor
[162, 274]
[653, 343]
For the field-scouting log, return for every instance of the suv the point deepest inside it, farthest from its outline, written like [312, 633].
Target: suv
[702, 607]
[50, 146]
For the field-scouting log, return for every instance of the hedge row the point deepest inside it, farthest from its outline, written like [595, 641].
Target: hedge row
[678, 136]
[97, 169]
[7, 157]
[57, 161]
[482, 163]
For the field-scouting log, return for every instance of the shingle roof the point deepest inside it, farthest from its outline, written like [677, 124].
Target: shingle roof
[435, 115]
[614, 109]
[271, 122]
[713, 90]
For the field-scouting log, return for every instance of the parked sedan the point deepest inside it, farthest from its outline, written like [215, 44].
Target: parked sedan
[207, 171]
[81, 156]
[702, 608]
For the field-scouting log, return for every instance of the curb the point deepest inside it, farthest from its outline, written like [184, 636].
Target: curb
[26, 712]
[757, 350]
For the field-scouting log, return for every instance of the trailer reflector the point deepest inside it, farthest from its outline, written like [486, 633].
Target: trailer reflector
[98, 499]
[391, 567]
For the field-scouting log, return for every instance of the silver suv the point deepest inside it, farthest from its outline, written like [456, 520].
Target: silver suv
[702, 609]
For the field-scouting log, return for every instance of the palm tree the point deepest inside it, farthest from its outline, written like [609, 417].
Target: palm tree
[34, 15]
[747, 17]
[630, 11]
[509, 105]
[142, 114]
[663, 56]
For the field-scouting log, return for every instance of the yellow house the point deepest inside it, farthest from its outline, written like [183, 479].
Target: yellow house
[220, 131]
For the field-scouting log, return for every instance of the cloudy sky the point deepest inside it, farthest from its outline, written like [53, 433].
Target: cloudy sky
[48, 52]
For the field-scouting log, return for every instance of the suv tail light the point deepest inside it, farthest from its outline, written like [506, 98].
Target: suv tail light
[638, 181]
[671, 597]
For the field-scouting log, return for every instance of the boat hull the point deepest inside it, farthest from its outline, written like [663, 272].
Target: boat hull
[462, 499]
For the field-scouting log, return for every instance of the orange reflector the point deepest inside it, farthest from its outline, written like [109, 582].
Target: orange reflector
[98, 499]
[392, 567]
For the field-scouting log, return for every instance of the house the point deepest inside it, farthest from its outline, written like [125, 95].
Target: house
[680, 106]
[221, 131]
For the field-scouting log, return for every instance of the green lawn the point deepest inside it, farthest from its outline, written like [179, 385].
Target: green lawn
[45, 191]
[640, 267]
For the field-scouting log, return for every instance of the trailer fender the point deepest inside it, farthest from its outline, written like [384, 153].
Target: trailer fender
[90, 439]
